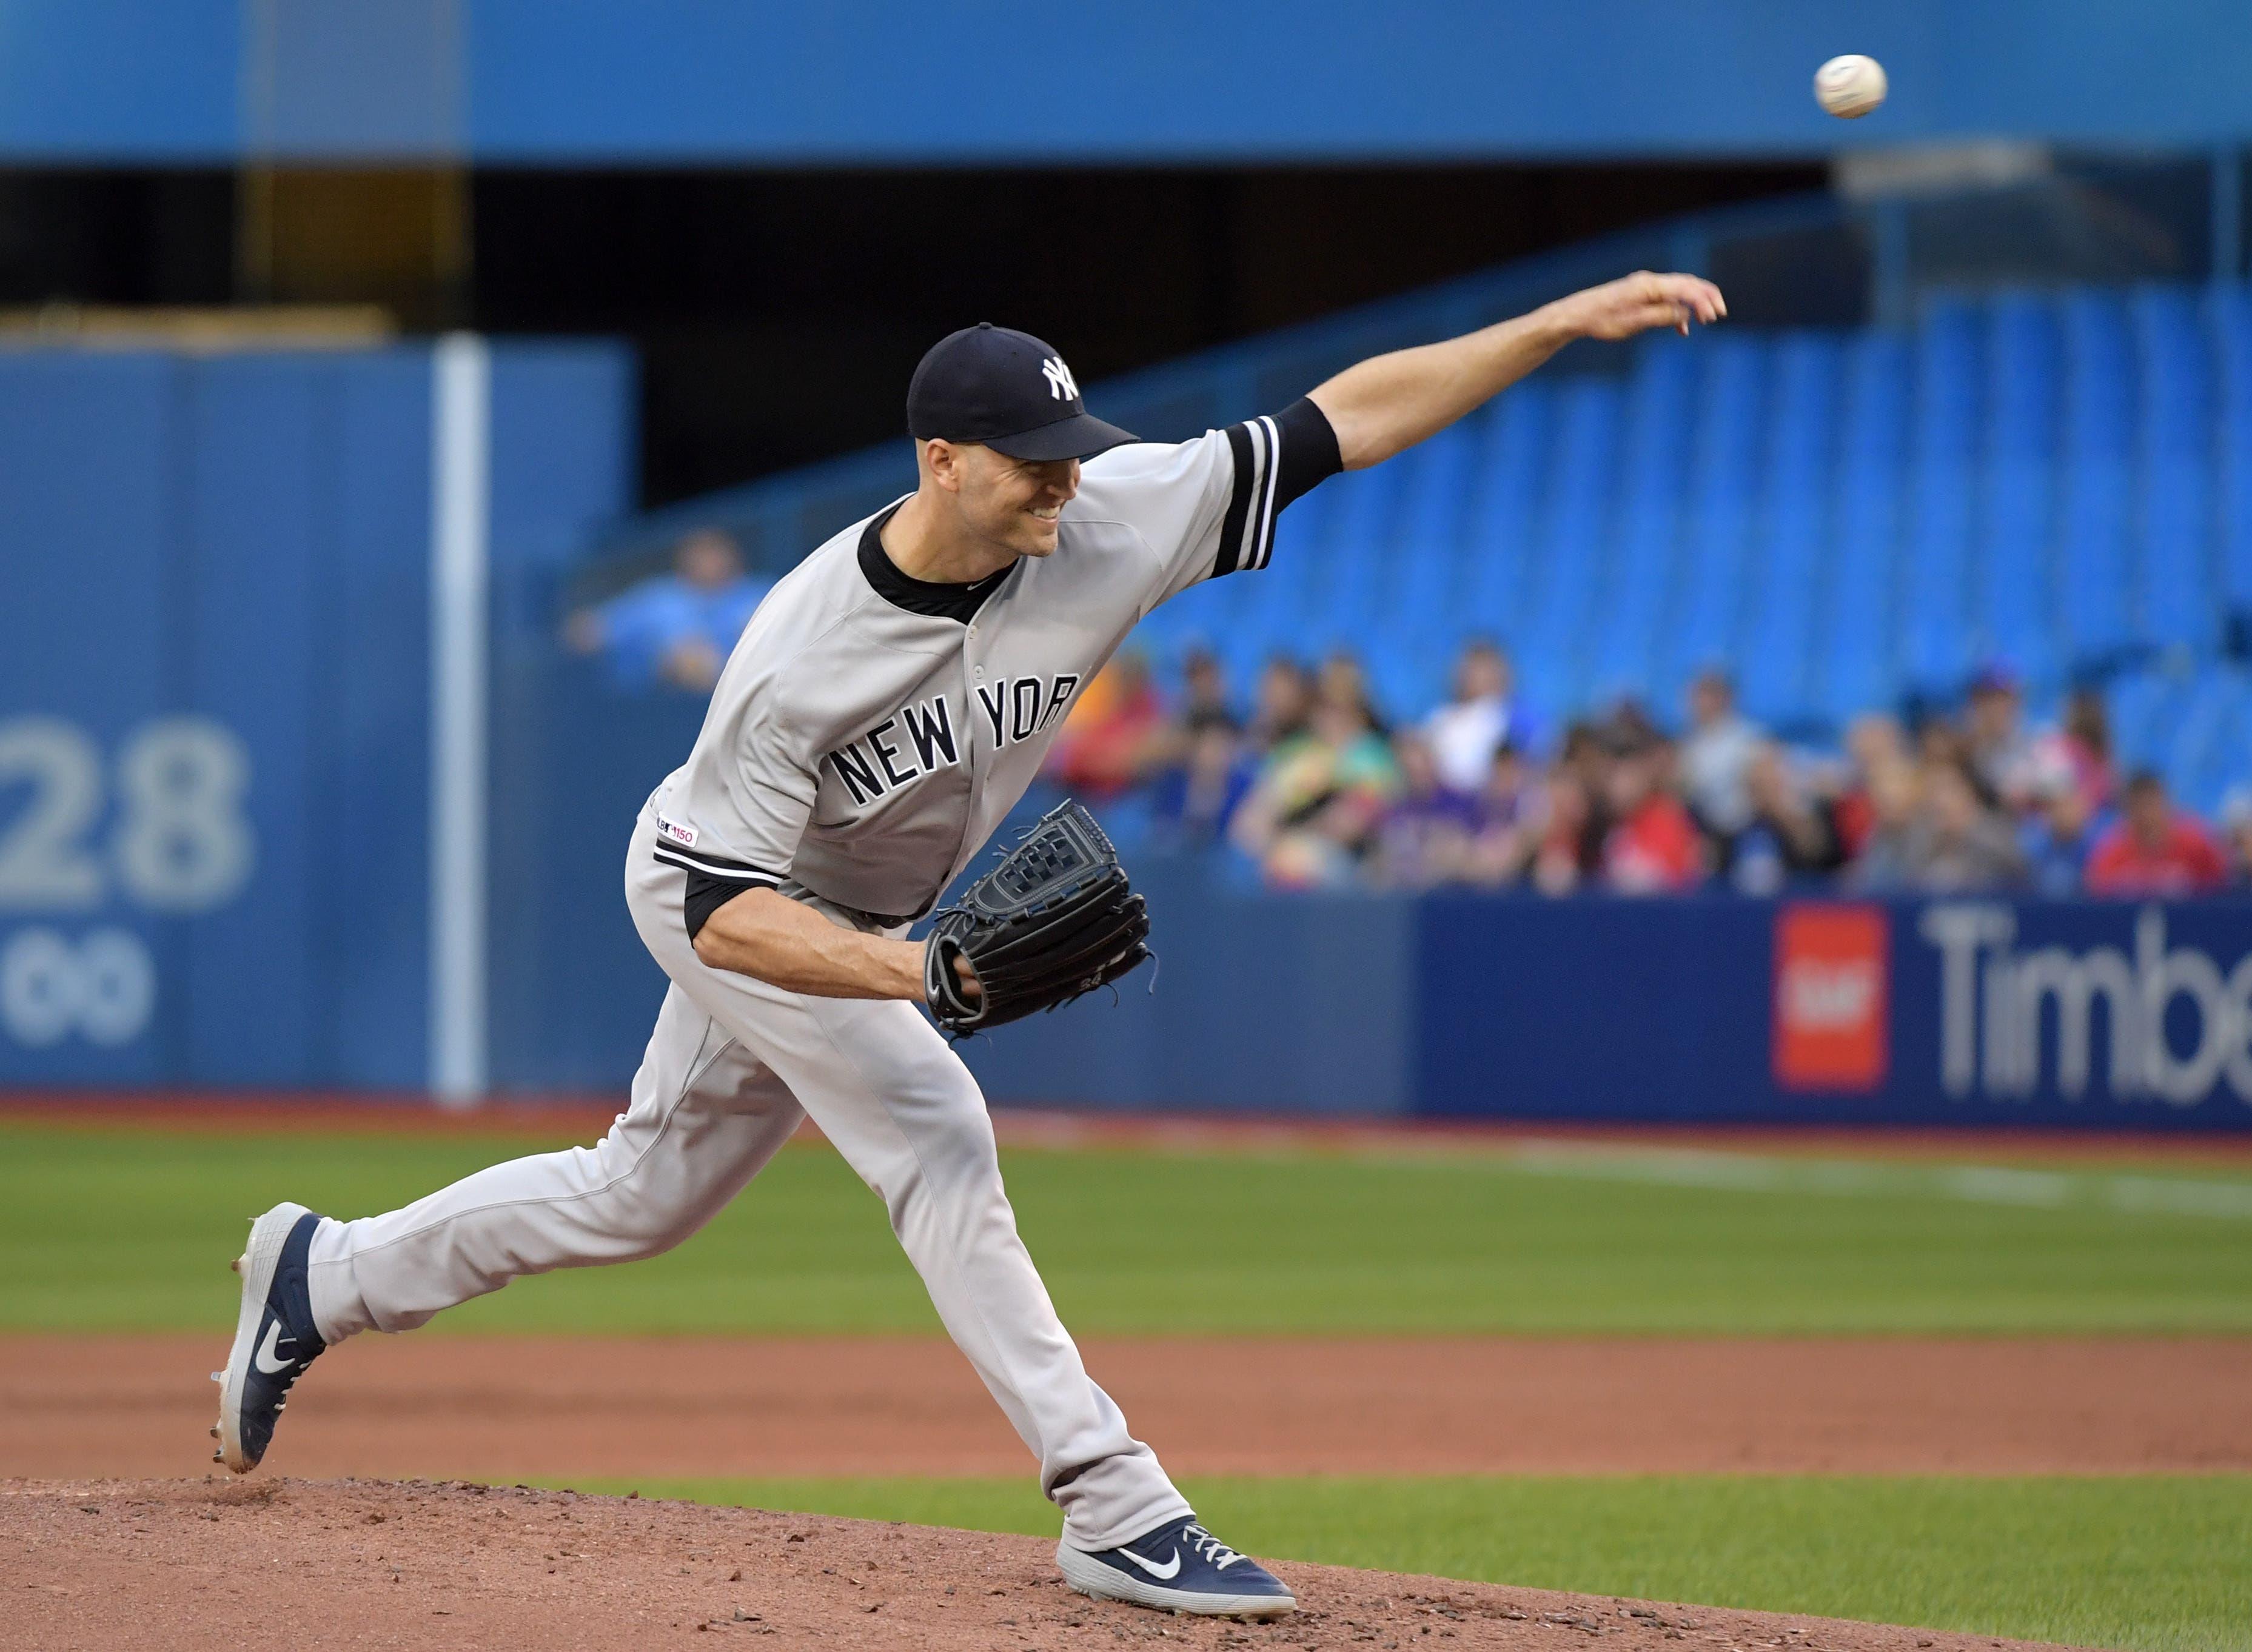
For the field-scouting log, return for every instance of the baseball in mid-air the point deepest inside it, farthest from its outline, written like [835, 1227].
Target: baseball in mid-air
[1850, 87]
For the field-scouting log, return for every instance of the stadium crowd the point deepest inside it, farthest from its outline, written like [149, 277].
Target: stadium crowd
[1317, 791]
[672, 630]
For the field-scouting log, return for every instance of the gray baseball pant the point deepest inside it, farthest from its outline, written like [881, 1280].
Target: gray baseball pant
[730, 1068]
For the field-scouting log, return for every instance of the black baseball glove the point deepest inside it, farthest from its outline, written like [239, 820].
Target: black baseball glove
[1055, 918]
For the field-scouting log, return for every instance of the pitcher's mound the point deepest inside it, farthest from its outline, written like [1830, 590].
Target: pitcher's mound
[215, 1563]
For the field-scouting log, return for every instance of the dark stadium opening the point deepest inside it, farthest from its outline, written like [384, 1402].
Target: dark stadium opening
[778, 314]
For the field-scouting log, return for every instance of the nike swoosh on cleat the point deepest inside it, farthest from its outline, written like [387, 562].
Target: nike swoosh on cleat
[266, 1358]
[1171, 1569]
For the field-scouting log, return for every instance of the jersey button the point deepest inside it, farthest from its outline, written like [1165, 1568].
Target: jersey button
[978, 673]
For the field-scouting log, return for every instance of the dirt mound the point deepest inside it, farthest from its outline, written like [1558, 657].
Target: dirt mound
[188, 1566]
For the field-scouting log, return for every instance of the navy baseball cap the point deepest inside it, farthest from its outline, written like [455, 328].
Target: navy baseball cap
[1008, 390]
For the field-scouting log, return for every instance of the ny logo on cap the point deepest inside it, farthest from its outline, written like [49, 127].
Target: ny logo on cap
[1061, 384]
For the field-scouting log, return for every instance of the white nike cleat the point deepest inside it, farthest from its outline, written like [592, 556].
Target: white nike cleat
[1179, 1568]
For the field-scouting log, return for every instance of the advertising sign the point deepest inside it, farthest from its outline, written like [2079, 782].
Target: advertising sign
[1971, 1011]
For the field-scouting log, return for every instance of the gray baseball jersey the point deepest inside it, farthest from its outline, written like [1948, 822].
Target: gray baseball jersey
[871, 730]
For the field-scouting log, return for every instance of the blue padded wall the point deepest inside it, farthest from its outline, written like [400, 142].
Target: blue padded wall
[214, 695]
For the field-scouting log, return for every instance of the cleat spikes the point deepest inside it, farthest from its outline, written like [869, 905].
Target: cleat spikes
[218, 1376]
[218, 1456]
[235, 1267]
[214, 1430]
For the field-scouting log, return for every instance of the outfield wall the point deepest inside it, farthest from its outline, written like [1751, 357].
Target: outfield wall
[246, 606]
[1966, 1010]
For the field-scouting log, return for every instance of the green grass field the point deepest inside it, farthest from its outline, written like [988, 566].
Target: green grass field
[122, 1231]
[2156, 1562]
[108, 1229]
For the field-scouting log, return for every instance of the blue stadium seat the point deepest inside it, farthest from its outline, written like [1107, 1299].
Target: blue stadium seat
[1660, 416]
[1274, 610]
[1347, 610]
[1791, 554]
[2178, 589]
[1935, 588]
[1428, 554]
[2100, 390]
[1420, 616]
[1499, 517]
[2206, 748]
[2144, 708]
[2012, 605]
[1856, 620]
[2229, 317]
[1724, 481]
[1568, 545]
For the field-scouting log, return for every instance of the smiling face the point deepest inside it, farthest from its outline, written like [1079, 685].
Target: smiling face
[1010, 506]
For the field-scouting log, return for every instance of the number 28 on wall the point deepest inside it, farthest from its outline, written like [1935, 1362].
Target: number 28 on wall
[181, 843]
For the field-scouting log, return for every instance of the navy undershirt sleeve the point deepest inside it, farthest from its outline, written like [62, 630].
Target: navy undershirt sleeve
[1309, 450]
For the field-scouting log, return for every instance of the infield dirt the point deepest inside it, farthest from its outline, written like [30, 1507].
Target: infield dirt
[510, 1408]
[201, 1564]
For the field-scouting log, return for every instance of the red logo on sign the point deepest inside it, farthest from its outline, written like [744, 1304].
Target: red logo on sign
[1830, 1021]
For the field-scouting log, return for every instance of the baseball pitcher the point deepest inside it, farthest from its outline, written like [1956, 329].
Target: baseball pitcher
[888, 704]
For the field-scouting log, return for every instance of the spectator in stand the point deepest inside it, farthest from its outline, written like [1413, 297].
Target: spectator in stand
[1792, 833]
[1343, 681]
[2236, 835]
[1312, 812]
[1313, 791]
[1934, 832]
[1205, 698]
[1894, 799]
[1577, 820]
[1115, 733]
[1560, 861]
[1939, 742]
[2064, 826]
[1716, 758]
[1652, 846]
[1283, 708]
[1508, 821]
[1483, 716]
[1957, 842]
[1192, 800]
[2081, 747]
[676, 630]
[1198, 765]
[1629, 726]
[1425, 837]
[2001, 755]
[2153, 848]
[1874, 742]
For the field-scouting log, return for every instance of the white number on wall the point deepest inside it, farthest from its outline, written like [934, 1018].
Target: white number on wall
[181, 842]
[44, 865]
[102, 988]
